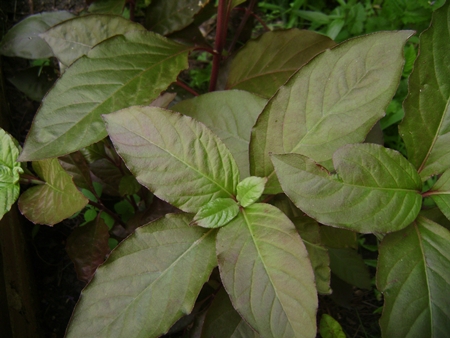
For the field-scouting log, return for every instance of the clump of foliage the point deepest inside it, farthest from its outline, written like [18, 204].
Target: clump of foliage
[269, 180]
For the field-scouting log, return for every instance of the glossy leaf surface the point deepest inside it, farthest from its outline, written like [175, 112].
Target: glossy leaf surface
[167, 16]
[278, 55]
[54, 201]
[222, 320]
[122, 71]
[23, 39]
[157, 272]
[265, 269]
[230, 115]
[176, 157]
[375, 189]
[309, 231]
[414, 275]
[425, 128]
[250, 190]
[10, 171]
[87, 247]
[73, 38]
[332, 101]
[440, 193]
[216, 213]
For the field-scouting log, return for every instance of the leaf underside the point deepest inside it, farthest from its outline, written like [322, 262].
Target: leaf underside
[332, 101]
[414, 275]
[265, 269]
[176, 157]
[122, 71]
[149, 281]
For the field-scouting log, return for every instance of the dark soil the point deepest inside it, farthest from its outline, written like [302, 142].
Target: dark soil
[57, 286]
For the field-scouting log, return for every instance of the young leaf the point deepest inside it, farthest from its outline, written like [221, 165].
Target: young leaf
[122, 71]
[265, 269]
[222, 320]
[216, 213]
[349, 266]
[23, 39]
[279, 55]
[330, 327]
[10, 171]
[318, 255]
[53, 201]
[230, 115]
[73, 38]
[250, 190]
[87, 247]
[376, 189]
[158, 272]
[332, 101]
[167, 16]
[177, 158]
[440, 193]
[414, 275]
[424, 128]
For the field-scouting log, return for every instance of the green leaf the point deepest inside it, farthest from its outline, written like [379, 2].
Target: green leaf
[107, 7]
[376, 189]
[338, 238]
[279, 55]
[87, 247]
[76, 166]
[349, 266]
[53, 201]
[157, 272]
[440, 193]
[34, 82]
[250, 190]
[265, 269]
[73, 38]
[176, 157]
[230, 115]
[309, 231]
[128, 185]
[332, 101]
[216, 213]
[222, 320]
[414, 275]
[10, 171]
[168, 16]
[23, 39]
[122, 71]
[425, 126]
[330, 327]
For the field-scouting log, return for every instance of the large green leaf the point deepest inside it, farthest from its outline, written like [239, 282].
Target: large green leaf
[440, 193]
[167, 16]
[230, 115]
[375, 189]
[10, 171]
[148, 282]
[222, 320]
[23, 39]
[414, 275]
[115, 7]
[122, 71]
[73, 38]
[425, 128]
[278, 55]
[54, 201]
[332, 101]
[177, 158]
[309, 231]
[265, 269]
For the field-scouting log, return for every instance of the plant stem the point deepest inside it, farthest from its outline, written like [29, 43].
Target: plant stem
[101, 207]
[186, 87]
[221, 33]
[28, 179]
[248, 12]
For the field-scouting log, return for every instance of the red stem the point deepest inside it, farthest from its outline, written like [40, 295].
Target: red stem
[186, 87]
[248, 12]
[261, 21]
[221, 33]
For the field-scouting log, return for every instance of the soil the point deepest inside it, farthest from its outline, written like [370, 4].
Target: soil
[57, 285]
